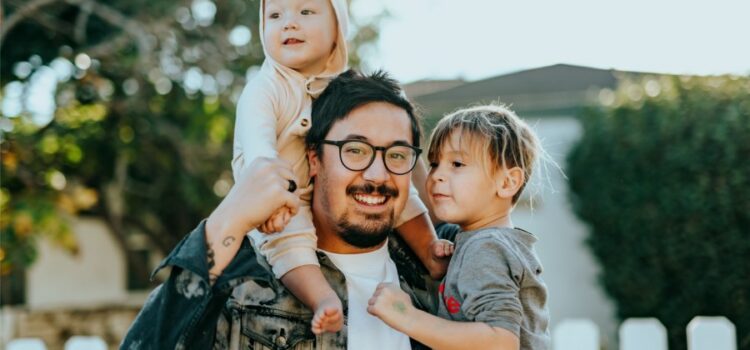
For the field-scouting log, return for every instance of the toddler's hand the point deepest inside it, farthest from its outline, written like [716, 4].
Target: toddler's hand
[390, 304]
[277, 221]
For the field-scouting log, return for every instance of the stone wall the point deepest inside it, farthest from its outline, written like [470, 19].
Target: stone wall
[55, 327]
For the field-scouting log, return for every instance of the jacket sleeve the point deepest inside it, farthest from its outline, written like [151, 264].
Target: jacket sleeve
[182, 312]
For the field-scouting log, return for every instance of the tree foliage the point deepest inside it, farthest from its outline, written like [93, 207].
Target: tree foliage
[140, 130]
[662, 177]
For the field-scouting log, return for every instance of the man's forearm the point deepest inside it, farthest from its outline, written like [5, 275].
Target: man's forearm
[222, 244]
[177, 311]
[419, 234]
[442, 334]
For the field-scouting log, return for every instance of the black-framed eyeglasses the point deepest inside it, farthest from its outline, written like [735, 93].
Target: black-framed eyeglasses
[358, 155]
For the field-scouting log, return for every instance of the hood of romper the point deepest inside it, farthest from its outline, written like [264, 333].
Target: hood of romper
[337, 61]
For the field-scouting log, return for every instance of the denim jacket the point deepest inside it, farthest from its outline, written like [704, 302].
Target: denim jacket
[247, 308]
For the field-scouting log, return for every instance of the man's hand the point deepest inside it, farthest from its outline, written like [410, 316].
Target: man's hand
[259, 193]
[390, 304]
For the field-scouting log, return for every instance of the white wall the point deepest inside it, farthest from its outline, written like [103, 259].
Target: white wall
[97, 275]
[570, 270]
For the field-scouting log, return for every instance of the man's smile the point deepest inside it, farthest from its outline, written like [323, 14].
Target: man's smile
[371, 196]
[370, 199]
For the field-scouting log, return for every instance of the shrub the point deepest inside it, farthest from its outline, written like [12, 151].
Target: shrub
[662, 178]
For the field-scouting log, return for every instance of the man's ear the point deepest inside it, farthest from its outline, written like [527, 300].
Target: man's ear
[314, 161]
[508, 182]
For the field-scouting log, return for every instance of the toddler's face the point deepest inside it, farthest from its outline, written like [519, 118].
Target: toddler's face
[300, 34]
[460, 190]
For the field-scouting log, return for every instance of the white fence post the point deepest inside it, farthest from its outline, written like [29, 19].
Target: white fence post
[576, 334]
[7, 324]
[85, 343]
[711, 333]
[26, 344]
[643, 334]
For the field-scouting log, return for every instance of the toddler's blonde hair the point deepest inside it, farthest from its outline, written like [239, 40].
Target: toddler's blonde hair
[493, 134]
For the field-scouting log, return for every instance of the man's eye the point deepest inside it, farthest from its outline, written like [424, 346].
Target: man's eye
[354, 150]
[397, 156]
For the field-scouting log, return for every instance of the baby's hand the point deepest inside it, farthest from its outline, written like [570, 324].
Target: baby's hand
[390, 304]
[441, 250]
[277, 221]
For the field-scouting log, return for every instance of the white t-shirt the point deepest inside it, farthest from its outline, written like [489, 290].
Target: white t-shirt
[363, 273]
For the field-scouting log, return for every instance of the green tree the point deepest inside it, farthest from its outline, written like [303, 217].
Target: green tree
[139, 133]
[662, 177]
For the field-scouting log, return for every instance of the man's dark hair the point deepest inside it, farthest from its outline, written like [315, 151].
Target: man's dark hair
[350, 90]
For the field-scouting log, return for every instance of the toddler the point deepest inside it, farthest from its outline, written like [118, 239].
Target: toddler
[493, 296]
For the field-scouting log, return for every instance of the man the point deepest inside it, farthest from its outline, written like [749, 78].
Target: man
[221, 294]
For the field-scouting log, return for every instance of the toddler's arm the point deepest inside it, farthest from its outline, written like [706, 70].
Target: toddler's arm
[393, 306]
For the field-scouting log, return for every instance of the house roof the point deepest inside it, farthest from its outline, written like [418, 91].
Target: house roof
[556, 89]
[424, 87]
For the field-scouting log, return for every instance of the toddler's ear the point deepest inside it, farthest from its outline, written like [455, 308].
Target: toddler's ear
[508, 182]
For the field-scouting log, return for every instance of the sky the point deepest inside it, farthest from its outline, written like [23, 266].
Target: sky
[475, 39]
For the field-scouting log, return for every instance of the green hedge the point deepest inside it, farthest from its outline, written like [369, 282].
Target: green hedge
[662, 178]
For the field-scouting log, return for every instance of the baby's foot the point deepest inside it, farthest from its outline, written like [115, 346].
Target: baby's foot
[329, 316]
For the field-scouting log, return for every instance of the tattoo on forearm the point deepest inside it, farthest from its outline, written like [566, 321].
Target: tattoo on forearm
[212, 277]
[210, 256]
[400, 307]
[228, 241]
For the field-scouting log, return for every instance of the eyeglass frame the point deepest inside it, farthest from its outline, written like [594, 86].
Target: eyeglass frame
[340, 143]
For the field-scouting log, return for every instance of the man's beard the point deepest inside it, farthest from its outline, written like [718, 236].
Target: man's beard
[364, 236]
[375, 227]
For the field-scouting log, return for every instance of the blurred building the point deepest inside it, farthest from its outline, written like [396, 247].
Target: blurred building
[90, 293]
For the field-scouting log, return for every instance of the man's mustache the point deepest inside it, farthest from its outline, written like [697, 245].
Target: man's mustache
[369, 188]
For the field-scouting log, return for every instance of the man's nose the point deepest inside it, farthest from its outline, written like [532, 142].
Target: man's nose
[376, 172]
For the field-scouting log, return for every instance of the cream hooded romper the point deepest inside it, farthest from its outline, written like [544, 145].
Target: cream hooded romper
[273, 117]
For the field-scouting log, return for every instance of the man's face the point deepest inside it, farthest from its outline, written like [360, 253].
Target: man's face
[360, 207]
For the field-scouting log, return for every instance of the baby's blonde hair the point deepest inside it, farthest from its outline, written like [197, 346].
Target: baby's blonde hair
[496, 136]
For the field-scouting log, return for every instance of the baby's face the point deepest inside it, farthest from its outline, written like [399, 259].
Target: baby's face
[300, 34]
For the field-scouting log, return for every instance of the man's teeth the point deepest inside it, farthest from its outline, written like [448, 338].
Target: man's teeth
[372, 200]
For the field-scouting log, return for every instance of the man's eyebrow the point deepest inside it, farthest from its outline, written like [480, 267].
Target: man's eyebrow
[364, 138]
[401, 143]
[355, 137]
